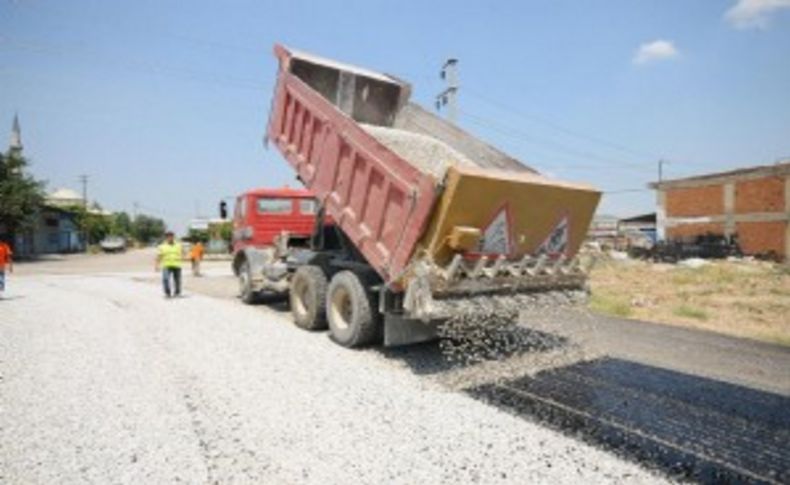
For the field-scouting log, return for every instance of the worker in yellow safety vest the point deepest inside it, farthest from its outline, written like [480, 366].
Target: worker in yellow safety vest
[168, 259]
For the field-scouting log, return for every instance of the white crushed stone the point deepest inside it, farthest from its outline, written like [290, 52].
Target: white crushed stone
[105, 381]
[510, 338]
[424, 152]
[487, 328]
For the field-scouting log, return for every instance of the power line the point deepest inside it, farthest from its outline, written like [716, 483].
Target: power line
[114, 26]
[561, 128]
[625, 191]
[549, 144]
[576, 133]
[145, 67]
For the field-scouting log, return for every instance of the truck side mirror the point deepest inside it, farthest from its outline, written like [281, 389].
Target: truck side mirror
[223, 209]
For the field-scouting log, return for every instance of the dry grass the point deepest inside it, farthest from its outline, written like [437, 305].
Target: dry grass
[744, 299]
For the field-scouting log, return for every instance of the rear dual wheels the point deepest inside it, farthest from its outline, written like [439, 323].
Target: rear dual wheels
[246, 293]
[308, 298]
[345, 305]
[354, 320]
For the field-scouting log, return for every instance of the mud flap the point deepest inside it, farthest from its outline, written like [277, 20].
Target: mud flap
[404, 331]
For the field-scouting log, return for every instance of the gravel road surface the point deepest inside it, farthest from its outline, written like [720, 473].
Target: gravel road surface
[105, 381]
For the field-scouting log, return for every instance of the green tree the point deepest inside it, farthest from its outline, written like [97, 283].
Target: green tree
[146, 229]
[21, 195]
[226, 231]
[95, 225]
[221, 230]
[196, 235]
[121, 224]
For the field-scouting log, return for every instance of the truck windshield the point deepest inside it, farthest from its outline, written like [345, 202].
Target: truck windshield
[272, 205]
[307, 206]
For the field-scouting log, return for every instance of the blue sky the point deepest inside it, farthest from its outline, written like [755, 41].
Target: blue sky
[165, 103]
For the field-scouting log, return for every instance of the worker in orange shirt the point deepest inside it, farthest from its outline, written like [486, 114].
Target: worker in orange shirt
[5, 261]
[196, 255]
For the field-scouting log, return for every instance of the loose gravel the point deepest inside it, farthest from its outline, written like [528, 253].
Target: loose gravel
[486, 342]
[487, 327]
[422, 151]
[105, 381]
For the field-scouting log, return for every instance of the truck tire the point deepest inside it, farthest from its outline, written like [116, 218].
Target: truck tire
[354, 320]
[308, 298]
[246, 293]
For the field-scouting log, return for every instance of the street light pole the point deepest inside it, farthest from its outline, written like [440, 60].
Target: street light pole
[84, 181]
[449, 97]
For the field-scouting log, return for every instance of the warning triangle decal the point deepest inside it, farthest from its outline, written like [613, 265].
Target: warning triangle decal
[557, 241]
[496, 236]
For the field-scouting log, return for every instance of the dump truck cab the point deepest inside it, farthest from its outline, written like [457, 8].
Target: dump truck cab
[263, 217]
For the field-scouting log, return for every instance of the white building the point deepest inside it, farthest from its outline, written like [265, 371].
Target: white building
[64, 198]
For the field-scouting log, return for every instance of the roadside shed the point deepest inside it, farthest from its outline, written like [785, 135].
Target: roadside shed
[643, 225]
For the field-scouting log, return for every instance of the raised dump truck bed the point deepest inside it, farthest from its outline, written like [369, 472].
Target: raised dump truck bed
[379, 200]
[434, 211]
[346, 131]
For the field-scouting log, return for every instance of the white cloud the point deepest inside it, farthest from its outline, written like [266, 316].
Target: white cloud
[748, 14]
[655, 51]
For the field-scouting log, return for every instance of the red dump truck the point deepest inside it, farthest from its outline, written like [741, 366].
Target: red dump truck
[413, 214]
[260, 217]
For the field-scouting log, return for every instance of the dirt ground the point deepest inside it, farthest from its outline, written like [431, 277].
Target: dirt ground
[741, 298]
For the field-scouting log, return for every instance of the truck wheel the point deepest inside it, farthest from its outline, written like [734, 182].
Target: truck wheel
[354, 320]
[308, 298]
[246, 293]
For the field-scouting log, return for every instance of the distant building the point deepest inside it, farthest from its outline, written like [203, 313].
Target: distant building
[55, 231]
[750, 203]
[213, 227]
[621, 233]
[64, 198]
[198, 224]
[603, 228]
[67, 199]
[15, 143]
[643, 225]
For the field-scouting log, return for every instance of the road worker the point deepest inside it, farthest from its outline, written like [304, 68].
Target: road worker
[168, 259]
[5, 262]
[196, 255]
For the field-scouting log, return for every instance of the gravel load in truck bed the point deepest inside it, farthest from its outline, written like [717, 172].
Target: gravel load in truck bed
[424, 152]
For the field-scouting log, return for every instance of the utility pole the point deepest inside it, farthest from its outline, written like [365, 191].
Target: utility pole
[135, 209]
[449, 97]
[661, 210]
[661, 163]
[84, 181]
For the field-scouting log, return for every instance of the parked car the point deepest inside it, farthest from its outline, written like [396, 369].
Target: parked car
[113, 244]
